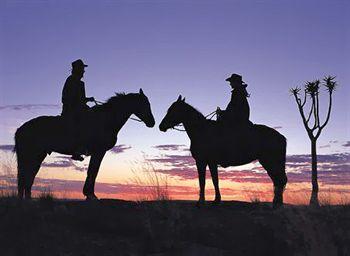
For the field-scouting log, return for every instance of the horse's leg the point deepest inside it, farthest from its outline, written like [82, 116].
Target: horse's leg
[94, 166]
[201, 166]
[272, 156]
[31, 170]
[214, 176]
[277, 173]
[20, 173]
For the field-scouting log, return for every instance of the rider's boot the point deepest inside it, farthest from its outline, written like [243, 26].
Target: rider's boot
[77, 157]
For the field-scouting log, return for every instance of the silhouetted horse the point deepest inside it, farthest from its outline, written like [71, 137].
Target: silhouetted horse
[213, 145]
[45, 134]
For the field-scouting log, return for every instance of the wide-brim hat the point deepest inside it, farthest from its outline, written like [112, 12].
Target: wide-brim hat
[78, 64]
[234, 77]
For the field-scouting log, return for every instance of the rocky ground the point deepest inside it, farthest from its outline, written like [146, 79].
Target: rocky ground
[113, 227]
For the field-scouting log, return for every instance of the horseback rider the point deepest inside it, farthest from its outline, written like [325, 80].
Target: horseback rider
[237, 111]
[74, 103]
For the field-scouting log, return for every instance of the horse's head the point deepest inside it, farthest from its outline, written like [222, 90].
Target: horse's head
[143, 109]
[174, 115]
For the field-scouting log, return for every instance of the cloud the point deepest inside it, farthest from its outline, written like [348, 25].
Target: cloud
[120, 149]
[28, 107]
[175, 147]
[347, 144]
[73, 186]
[7, 148]
[64, 162]
[333, 141]
[334, 158]
[174, 160]
[325, 146]
[277, 127]
[333, 169]
[181, 173]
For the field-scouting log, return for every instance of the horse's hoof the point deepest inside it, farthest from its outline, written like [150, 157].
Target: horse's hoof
[216, 203]
[277, 205]
[91, 198]
[200, 203]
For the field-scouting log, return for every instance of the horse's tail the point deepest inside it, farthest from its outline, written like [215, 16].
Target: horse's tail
[18, 149]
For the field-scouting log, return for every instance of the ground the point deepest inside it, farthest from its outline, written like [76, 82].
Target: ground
[114, 227]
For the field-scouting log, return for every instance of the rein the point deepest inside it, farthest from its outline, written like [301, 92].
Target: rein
[212, 114]
[98, 102]
[135, 119]
[178, 129]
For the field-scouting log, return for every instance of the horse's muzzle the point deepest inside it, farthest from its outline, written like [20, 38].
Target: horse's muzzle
[162, 128]
[150, 124]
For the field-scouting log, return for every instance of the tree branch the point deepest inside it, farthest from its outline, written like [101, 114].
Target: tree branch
[302, 105]
[328, 116]
[309, 115]
[298, 101]
[317, 111]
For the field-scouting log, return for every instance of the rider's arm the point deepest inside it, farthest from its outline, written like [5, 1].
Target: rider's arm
[84, 98]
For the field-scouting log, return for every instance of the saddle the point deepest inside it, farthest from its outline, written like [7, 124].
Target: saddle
[230, 124]
[239, 135]
[76, 133]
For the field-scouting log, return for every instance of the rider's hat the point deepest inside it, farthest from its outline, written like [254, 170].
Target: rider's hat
[235, 78]
[78, 64]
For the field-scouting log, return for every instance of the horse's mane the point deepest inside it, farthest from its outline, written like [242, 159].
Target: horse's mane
[112, 102]
[194, 111]
[116, 98]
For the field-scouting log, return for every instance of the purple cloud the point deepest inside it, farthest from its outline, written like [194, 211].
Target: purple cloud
[181, 173]
[174, 160]
[332, 169]
[347, 144]
[63, 162]
[334, 158]
[28, 106]
[119, 149]
[175, 147]
[69, 186]
[7, 148]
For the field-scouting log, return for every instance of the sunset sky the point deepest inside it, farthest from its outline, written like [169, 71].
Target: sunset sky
[179, 47]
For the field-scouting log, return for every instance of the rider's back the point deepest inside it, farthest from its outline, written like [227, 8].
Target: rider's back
[73, 96]
[238, 110]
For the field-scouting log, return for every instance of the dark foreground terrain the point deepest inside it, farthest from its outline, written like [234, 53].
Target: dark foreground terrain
[113, 227]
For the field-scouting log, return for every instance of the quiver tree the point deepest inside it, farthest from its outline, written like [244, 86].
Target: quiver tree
[311, 120]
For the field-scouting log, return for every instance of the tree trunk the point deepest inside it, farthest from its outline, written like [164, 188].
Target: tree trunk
[314, 194]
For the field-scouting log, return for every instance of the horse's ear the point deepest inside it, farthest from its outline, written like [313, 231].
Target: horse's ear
[180, 98]
[141, 92]
[183, 100]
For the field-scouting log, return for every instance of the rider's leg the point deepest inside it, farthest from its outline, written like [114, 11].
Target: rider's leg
[78, 138]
